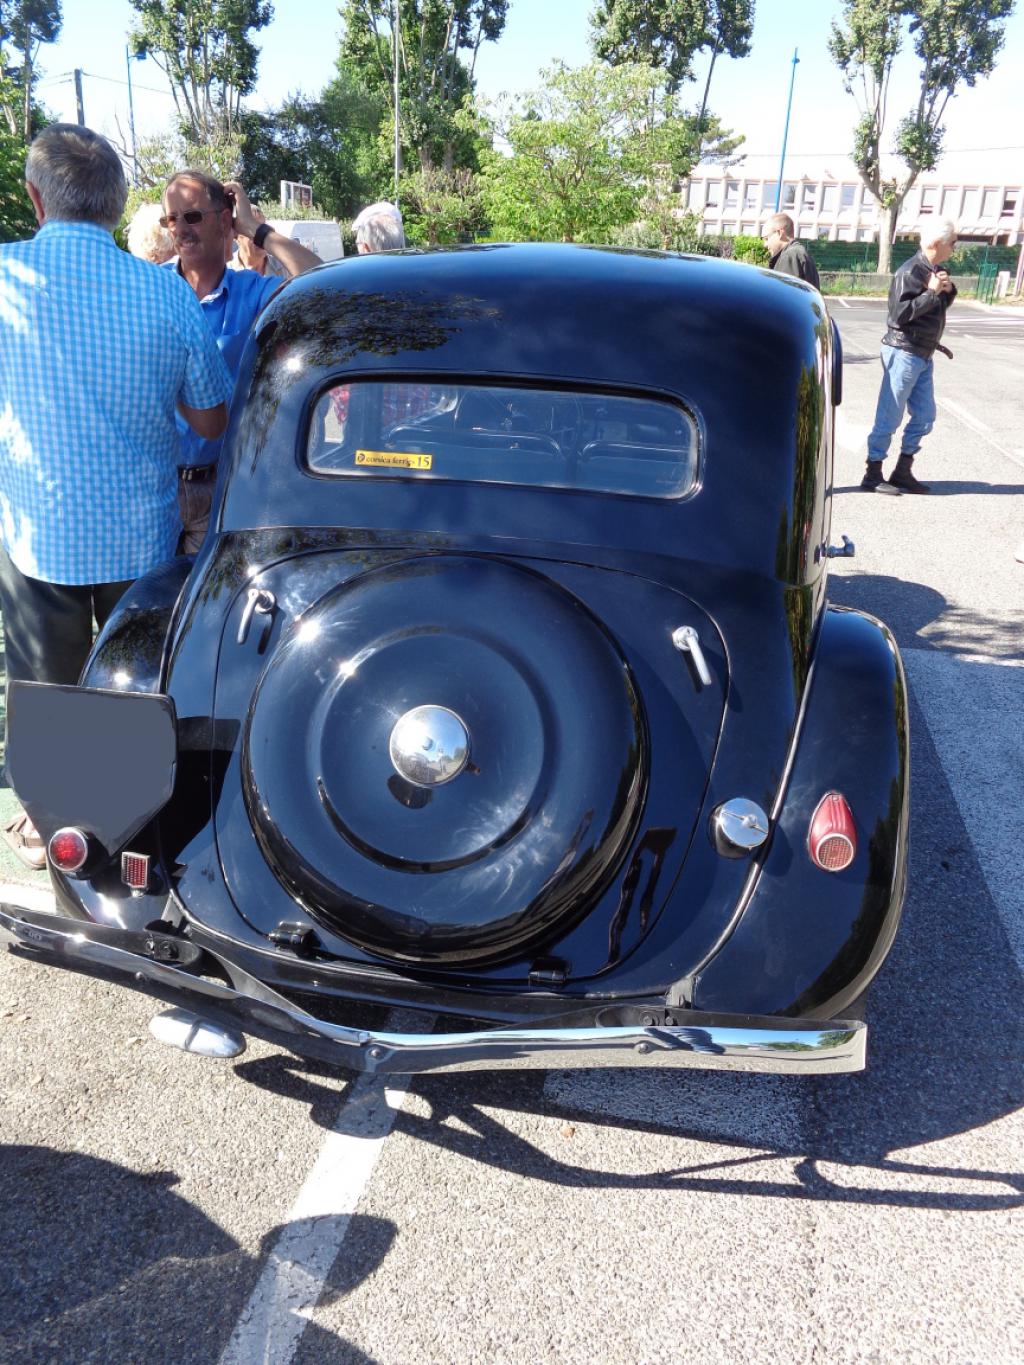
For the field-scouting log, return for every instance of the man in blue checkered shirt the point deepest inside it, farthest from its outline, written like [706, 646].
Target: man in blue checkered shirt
[99, 350]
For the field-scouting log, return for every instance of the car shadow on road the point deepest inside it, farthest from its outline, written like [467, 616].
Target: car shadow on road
[921, 618]
[946, 1056]
[105, 1263]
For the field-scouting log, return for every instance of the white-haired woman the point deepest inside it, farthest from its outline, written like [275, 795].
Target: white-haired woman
[147, 239]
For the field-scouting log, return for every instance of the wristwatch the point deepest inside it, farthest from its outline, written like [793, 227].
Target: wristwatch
[261, 234]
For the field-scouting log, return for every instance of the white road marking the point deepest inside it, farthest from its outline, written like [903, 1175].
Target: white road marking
[975, 423]
[979, 428]
[272, 1322]
[983, 762]
[842, 301]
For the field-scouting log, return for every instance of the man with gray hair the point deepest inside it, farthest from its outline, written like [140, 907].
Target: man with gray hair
[379, 228]
[99, 351]
[919, 298]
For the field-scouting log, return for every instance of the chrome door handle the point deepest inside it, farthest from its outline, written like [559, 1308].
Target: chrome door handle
[687, 641]
[260, 600]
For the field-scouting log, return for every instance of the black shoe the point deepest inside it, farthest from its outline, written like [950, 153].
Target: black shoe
[873, 482]
[902, 477]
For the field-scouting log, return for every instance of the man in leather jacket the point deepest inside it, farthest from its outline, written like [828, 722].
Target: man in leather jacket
[919, 296]
[785, 253]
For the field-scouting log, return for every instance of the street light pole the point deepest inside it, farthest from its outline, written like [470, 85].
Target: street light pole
[785, 131]
[131, 116]
[398, 142]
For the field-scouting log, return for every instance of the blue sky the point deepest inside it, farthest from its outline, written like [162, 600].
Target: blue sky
[985, 126]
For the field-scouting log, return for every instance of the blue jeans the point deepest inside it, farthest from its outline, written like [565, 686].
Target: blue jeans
[906, 387]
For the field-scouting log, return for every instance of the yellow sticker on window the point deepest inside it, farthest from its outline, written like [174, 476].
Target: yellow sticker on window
[394, 459]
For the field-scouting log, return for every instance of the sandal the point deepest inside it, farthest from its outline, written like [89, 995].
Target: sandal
[22, 837]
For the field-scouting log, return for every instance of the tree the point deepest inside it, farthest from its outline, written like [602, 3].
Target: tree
[434, 81]
[331, 143]
[16, 217]
[668, 34]
[205, 50]
[442, 206]
[24, 26]
[586, 150]
[956, 42]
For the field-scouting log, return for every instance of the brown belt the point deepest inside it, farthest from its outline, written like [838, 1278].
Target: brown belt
[196, 473]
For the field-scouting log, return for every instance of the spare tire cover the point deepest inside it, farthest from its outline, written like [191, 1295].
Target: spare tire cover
[473, 867]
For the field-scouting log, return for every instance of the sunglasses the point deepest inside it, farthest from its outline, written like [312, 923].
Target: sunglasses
[191, 216]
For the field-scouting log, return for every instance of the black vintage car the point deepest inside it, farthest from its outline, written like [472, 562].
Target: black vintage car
[505, 689]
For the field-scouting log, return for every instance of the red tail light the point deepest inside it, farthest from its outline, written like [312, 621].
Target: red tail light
[832, 838]
[68, 850]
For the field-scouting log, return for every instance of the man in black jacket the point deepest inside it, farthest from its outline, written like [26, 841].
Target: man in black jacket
[786, 255]
[919, 296]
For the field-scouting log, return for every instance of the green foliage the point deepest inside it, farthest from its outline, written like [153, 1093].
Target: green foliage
[749, 249]
[442, 206]
[667, 34]
[17, 219]
[678, 231]
[205, 49]
[592, 151]
[437, 48]
[331, 143]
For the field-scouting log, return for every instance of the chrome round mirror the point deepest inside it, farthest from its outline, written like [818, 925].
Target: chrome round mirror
[429, 746]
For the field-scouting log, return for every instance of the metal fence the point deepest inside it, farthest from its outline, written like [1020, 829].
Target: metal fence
[987, 283]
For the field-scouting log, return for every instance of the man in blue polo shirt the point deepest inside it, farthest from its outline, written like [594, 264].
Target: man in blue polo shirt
[99, 350]
[203, 216]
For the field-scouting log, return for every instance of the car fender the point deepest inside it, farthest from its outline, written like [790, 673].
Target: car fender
[129, 652]
[809, 941]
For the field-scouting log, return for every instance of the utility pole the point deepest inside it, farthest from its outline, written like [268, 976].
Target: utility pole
[78, 97]
[785, 131]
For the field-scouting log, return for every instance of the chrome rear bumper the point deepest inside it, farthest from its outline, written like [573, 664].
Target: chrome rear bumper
[715, 1042]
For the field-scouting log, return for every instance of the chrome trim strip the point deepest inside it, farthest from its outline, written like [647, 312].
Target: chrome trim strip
[781, 1046]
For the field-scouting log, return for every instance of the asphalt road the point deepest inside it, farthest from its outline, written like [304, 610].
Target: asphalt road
[160, 1208]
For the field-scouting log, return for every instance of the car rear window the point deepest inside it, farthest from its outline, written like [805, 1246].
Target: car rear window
[540, 438]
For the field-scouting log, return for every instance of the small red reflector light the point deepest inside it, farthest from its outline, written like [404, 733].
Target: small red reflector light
[68, 850]
[832, 838]
[135, 870]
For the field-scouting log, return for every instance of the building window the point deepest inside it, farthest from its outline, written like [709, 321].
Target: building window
[865, 235]
[769, 194]
[991, 203]
[788, 194]
[929, 200]
[714, 193]
[828, 198]
[750, 198]
[950, 203]
[848, 196]
[1009, 204]
[732, 190]
[809, 199]
[823, 234]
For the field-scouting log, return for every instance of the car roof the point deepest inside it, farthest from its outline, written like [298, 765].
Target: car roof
[747, 352]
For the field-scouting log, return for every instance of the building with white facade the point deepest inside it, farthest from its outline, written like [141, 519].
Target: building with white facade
[839, 208]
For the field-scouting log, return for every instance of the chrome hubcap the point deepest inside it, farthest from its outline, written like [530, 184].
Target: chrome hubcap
[429, 746]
